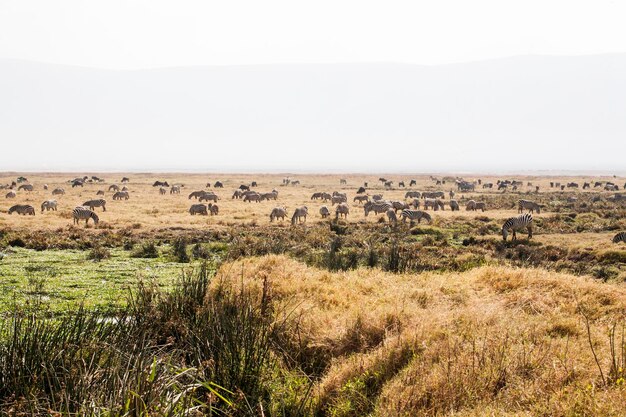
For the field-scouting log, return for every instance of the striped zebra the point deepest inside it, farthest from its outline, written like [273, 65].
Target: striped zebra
[23, 209]
[162, 191]
[198, 209]
[213, 209]
[454, 205]
[208, 196]
[121, 194]
[237, 195]
[480, 205]
[391, 215]
[299, 213]
[433, 194]
[100, 192]
[252, 196]
[326, 197]
[25, 187]
[83, 213]
[49, 205]
[523, 221]
[324, 212]
[114, 187]
[416, 204]
[269, 196]
[96, 203]
[361, 199]
[399, 205]
[316, 196]
[342, 210]
[412, 194]
[413, 215]
[377, 197]
[278, 213]
[620, 237]
[58, 191]
[434, 204]
[11, 194]
[531, 206]
[338, 199]
[175, 189]
[377, 207]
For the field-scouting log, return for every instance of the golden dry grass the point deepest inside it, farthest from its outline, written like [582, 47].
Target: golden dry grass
[490, 341]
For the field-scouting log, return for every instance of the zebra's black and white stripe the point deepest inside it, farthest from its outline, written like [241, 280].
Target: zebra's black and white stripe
[524, 221]
[23, 209]
[531, 206]
[83, 213]
[620, 237]
[413, 215]
[96, 203]
[377, 207]
[49, 205]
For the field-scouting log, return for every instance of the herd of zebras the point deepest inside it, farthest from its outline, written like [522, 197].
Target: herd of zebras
[414, 208]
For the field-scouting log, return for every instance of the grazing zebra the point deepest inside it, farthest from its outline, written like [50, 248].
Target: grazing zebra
[25, 187]
[270, 196]
[83, 213]
[391, 215]
[454, 205]
[586, 185]
[361, 190]
[49, 205]
[413, 215]
[342, 209]
[208, 196]
[198, 209]
[433, 194]
[114, 187]
[160, 184]
[324, 212]
[337, 193]
[343, 182]
[338, 199]
[96, 203]
[316, 196]
[488, 185]
[237, 194]
[376, 207]
[124, 188]
[278, 213]
[412, 183]
[121, 194]
[412, 194]
[388, 184]
[326, 197]
[434, 204]
[299, 213]
[214, 209]
[416, 204]
[451, 194]
[22, 179]
[470, 206]
[77, 183]
[377, 197]
[175, 189]
[523, 221]
[125, 179]
[620, 237]
[531, 206]
[100, 192]
[253, 184]
[218, 184]
[11, 194]
[196, 194]
[243, 187]
[45, 187]
[296, 182]
[399, 205]
[401, 184]
[253, 196]
[162, 191]
[23, 209]
[361, 199]
[480, 205]
[58, 191]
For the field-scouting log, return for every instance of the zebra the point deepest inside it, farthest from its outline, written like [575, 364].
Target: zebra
[412, 194]
[434, 204]
[326, 197]
[114, 187]
[96, 203]
[253, 196]
[21, 179]
[253, 184]
[480, 205]
[412, 183]
[11, 194]
[23, 209]
[198, 209]
[324, 212]
[213, 209]
[391, 215]
[269, 196]
[121, 194]
[470, 206]
[58, 191]
[488, 185]
[175, 189]
[162, 191]
[413, 215]
[377, 197]
[388, 184]
[125, 179]
[83, 213]
[77, 183]
[433, 194]
[342, 181]
[316, 196]
[338, 194]
[399, 205]
[361, 199]
[244, 187]
[208, 197]
[523, 221]
[342, 209]
[296, 182]
[528, 205]
[376, 207]
[361, 190]
[25, 187]
[49, 205]
[278, 212]
[218, 184]
[416, 204]
[451, 194]
[454, 205]
[237, 194]
[100, 192]
[45, 187]
[338, 199]
[160, 184]
[401, 184]
[299, 213]
[620, 237]
[125, 188]
[196, 194]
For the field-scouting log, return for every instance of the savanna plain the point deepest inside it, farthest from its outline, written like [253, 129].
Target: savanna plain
[155, 311]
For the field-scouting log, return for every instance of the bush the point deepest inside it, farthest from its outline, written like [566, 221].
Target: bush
[146, 250]
[180, 250]
[98, 253]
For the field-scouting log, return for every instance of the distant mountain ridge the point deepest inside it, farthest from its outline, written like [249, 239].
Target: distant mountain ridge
[525, 113]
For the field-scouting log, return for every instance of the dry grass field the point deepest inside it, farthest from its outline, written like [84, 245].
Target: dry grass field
[235, 315]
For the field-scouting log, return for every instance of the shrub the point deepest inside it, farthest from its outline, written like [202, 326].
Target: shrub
[98, 253]
[146, 250]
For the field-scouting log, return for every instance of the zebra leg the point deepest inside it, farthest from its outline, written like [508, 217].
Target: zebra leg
[530, 232]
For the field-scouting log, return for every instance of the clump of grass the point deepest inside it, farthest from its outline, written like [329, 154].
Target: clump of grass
[98, 253]
[146, 250]
[180, 250]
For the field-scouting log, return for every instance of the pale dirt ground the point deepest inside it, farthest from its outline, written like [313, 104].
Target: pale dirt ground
[147, 210]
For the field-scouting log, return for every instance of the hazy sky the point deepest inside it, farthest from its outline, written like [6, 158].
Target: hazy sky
[129, 34]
